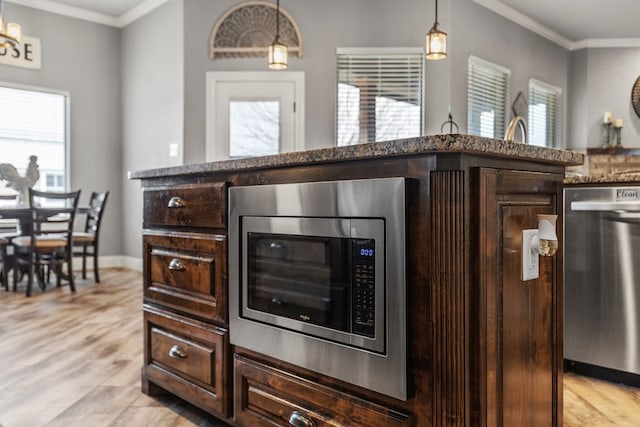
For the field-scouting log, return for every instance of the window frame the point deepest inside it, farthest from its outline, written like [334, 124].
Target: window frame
[557, 91]
[381, 51]
[67, 122]
[483, 63]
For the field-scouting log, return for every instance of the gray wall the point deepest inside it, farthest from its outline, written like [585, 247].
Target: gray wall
[482, 33]
[601, 81]
[152, 107]
[83, 59]
[578, 95]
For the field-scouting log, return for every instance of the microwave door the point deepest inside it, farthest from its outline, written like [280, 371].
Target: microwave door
[299, 277]
[293, 271]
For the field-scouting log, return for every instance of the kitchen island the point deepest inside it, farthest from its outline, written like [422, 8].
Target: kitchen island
[482, 346]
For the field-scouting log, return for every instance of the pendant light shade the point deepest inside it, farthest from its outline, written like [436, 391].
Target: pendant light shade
[277, 50]
[436, 41]
[9, 36]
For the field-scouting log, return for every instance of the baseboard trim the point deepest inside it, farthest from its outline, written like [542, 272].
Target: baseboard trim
[110, 261]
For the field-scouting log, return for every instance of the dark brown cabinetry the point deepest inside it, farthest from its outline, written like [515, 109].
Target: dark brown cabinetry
[269, 396]
[520, 343]
[484, 347]
[186, 340]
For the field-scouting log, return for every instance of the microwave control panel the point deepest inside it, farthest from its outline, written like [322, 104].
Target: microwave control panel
[363, 289]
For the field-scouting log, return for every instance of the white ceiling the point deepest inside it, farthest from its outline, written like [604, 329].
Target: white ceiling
[575, 23]
[570, 23]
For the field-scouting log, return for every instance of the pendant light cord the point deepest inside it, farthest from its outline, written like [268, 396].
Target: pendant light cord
[436, 11]
[277, 19]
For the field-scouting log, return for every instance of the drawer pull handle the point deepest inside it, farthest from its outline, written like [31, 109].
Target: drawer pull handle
[298, 419]
[176, 202]
[177, 265]
[177, 352]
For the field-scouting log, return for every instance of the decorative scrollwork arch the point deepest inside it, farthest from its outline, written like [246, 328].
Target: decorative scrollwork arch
[246, 30]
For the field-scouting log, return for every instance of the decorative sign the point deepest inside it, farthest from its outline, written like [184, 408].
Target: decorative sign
[26, 55]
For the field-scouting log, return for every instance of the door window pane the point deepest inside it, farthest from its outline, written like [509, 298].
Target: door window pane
[254, 128]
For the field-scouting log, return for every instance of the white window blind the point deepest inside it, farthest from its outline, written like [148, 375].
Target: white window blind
[34, 122]
[487, 92]
[379, 95]
[544, 114]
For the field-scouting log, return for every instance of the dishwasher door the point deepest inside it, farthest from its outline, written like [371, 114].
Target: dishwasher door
[602, 277]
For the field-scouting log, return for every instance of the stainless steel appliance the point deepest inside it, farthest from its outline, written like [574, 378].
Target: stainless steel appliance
[602, 277]
[317, 277]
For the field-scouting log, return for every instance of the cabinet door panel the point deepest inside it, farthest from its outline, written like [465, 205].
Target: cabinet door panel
[519, 335]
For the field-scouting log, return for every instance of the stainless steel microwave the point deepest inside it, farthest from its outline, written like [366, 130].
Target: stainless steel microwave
[317, 277]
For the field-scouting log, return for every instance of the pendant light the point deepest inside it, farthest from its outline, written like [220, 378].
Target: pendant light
[436, 44]
[278, 50]
[9, 37]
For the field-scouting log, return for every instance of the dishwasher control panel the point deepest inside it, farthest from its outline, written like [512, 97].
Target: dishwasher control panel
[623, 194]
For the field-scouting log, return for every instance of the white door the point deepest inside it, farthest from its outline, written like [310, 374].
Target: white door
[254, 114]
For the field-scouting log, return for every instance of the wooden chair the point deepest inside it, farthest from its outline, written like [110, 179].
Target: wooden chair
[8, 231]
[89, 238]
[49, 244]
[4, 243]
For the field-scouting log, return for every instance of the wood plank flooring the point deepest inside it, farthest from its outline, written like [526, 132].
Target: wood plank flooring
[74, 360]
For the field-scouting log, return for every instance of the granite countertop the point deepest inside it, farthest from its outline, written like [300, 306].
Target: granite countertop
[603, 179]
[430, 144]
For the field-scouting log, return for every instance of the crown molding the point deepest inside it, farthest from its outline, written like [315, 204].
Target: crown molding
[66, 10]
[589, 43]
[526, 22]
[532, 25]
[87, 15]
[139, 11]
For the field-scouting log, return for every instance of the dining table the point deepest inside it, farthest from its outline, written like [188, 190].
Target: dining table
[23, 216]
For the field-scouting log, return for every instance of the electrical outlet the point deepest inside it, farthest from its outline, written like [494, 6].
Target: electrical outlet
[530, 259]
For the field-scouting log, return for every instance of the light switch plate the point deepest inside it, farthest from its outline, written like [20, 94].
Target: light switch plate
[530, 259]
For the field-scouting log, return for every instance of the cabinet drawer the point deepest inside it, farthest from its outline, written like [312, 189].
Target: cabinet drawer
[200, 206]
[187, 272]
[266, 396]
[188, 358]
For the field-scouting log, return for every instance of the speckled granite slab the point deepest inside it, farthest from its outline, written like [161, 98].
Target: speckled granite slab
[623, 178]
[421, 145]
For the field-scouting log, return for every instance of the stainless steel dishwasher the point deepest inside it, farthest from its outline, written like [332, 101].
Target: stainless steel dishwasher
[602, 278]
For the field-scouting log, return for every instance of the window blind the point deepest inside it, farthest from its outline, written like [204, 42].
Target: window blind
[487, 86]
[31, 115]
[544, 112]
[379, 95]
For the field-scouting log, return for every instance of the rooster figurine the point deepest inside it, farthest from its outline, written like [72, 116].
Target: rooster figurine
[21, 184]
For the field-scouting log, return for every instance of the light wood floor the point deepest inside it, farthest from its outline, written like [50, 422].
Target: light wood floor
[74, 360]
